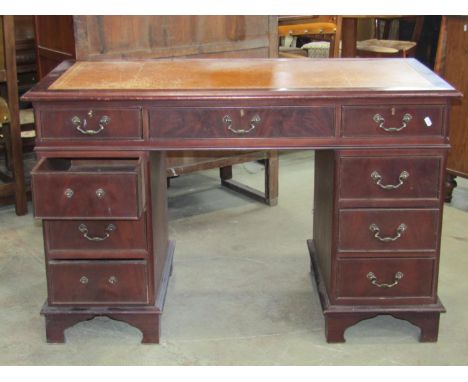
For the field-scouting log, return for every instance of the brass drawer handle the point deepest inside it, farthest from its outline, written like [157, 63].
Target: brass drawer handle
[377, 178]
[81, 125]
[374, 228]
[381, 120]
[69, 193]
[254, 122]
[100, 193]
[113, 280]
[84, 230]
[396, 279]
[84, 280]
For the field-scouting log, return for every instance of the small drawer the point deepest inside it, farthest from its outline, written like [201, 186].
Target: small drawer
[389, 178]
[388, 230]
[91, 123]
[173, 122]
[87, 188]
[96, 239]
[97, 282]
[374, 279]
[392, 120]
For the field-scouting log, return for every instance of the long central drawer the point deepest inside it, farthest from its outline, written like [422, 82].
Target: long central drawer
[260, 122]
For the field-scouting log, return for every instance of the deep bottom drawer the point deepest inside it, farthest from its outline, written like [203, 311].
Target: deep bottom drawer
[97, 282]
[397, 279]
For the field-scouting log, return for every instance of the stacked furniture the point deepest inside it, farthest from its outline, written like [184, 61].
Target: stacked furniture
[451, 63]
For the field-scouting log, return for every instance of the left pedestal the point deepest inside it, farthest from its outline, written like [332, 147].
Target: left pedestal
[105, 238]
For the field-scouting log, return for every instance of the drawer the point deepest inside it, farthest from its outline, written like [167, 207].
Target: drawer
[387, 178]
[97, 282]
[173, 122]
[91, 123]
[388, 230]
[392, 120]
[95, 239]
[375, 279]
[87, 188]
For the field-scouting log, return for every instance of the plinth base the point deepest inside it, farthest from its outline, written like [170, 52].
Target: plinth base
[143, 317]
[339, 317]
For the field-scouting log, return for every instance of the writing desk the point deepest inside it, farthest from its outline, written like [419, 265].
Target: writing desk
[380, 130]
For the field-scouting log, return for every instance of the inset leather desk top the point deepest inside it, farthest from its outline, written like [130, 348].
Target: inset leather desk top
[261, 74]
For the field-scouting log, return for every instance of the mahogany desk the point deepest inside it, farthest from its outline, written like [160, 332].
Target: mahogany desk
[380, 130]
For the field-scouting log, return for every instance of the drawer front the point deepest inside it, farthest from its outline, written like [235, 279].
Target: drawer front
[388, 230]
[91, 123]
[87, 190]
[242, 122]
[374, 279]
[95, 239]
[390, 178]
[392, 120]
[97, 282]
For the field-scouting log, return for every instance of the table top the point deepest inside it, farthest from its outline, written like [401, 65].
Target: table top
[205, 76]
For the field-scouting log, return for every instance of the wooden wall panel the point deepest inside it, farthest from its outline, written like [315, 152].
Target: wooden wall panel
[456, 73]
[104, 37]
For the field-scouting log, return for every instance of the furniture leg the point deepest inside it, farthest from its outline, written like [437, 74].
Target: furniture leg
[336, 325]
[427, 322]
[271, 178]
[57, 324]
[348, 37]
[225, 173]
[147, 323]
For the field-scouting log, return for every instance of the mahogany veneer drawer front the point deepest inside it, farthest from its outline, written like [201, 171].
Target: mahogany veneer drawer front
[392, 120]
[95, 239]
[91, 123]
[93, 189]
[390, 178]
[382, 230]
[373, 279]
[97, 282]
[173, 122]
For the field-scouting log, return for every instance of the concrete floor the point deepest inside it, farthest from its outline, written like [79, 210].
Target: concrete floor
[241, 292]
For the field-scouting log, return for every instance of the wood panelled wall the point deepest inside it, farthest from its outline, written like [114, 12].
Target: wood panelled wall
[104, 37]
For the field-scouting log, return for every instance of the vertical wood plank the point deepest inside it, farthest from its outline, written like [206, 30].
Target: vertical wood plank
[13, 104]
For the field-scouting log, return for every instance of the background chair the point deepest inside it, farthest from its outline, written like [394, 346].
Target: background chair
[309, 36]
[406, 29]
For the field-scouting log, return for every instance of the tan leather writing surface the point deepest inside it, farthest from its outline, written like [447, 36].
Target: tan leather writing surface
[222, 74]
